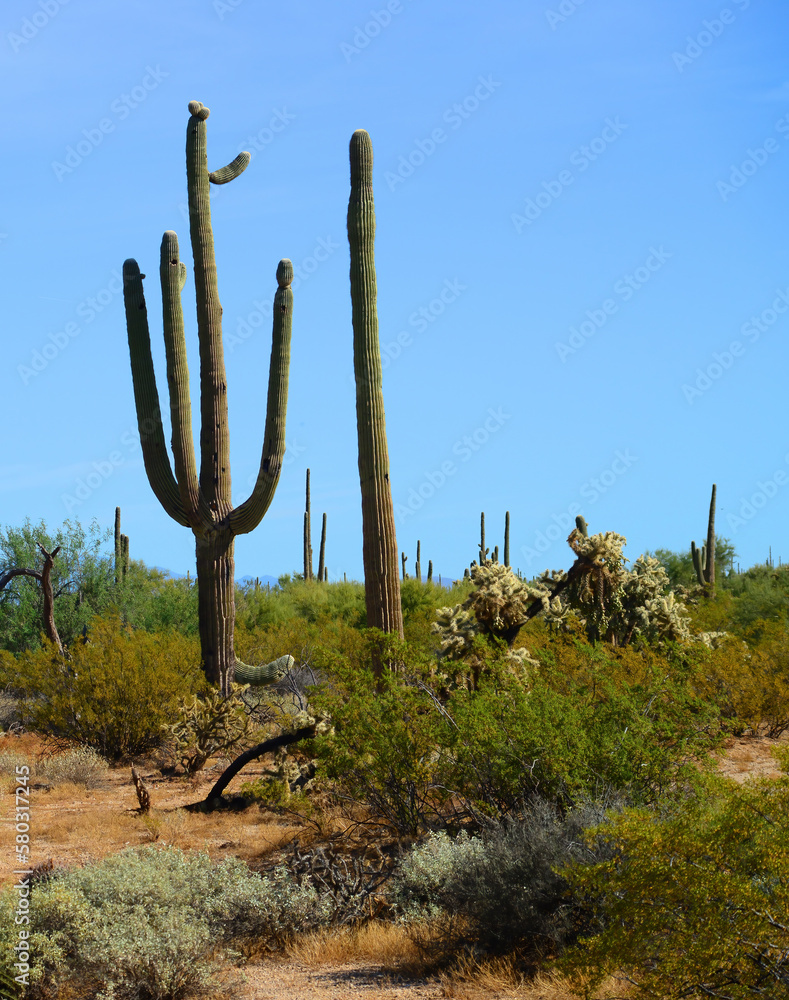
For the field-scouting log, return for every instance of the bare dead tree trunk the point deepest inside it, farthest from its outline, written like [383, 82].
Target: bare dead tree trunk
[46, 588]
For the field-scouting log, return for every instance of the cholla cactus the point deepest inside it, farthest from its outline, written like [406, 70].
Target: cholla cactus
[615, 603]
[457, 631]
[497, 609]
[209, 725]
[501, 602]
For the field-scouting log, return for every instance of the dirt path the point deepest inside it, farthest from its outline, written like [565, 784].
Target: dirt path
[276, 980]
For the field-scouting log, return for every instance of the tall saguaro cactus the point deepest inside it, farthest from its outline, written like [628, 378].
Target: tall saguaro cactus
[202, 502]
[381, 580]
[308, 533]
[704, 560]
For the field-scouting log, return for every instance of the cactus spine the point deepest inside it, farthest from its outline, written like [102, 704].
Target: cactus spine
[381, 580]
[202, 502]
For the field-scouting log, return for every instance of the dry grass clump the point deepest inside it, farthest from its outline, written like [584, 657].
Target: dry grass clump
[499, 978]
[80, 766]
[378, 941]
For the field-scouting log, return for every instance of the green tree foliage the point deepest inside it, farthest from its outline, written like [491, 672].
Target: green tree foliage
[679, 565]
[82, 581]
[696, 899]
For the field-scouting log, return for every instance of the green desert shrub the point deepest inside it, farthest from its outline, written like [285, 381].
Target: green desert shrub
[419, 758]
[113, 693]
[155, 922]
[694, 900]
[422, 874]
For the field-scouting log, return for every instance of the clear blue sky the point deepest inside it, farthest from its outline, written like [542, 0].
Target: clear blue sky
[582, 260]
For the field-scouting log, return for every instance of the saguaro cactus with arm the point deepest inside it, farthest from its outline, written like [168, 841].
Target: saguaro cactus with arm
[203, 502]
[381, 580]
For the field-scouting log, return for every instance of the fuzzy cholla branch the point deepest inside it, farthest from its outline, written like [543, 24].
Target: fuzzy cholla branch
[209, 725]
[500, 601]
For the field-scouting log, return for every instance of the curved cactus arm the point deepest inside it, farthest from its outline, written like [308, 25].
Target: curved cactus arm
[249, 514]
[214, 433]
[146, 397]
[229, 173]
[265, 673]
[172, 272]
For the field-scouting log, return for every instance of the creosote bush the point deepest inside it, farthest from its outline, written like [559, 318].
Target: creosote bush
[583, 717]
[113, 693]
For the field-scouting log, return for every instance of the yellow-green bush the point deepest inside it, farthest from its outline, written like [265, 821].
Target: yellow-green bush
[749, 680]
[114, 692]
[696, 897]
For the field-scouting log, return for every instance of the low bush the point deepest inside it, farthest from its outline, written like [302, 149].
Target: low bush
[80, 766]
[503, 893]
[154, 922]
[113, 693]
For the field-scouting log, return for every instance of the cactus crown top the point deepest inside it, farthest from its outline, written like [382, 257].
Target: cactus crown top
[199, 110]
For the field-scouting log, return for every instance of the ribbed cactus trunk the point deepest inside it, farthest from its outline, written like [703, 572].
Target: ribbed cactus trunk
[118, 547]
[381, 580]
[216, 605]
[203, 502]
[507, 539]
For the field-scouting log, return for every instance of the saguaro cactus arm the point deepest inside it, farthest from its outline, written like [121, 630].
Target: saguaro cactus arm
[229, 173]
[146, 397]
[249, 514]
[172, 272]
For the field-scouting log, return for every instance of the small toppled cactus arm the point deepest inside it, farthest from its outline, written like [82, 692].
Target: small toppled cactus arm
[265, 673]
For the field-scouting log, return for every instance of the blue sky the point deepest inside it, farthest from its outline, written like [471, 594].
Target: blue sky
[581, 250]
